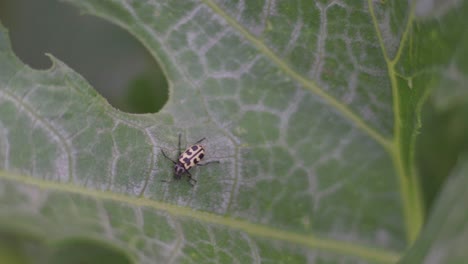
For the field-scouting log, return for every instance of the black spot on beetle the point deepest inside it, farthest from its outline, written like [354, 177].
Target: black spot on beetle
[194, 148]
[186, 160]
[201, 155]
[188, 152]
[196, 161]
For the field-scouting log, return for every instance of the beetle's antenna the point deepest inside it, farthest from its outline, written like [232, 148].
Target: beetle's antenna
[162, 151]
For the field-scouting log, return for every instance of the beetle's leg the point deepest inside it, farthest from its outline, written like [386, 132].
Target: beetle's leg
[199, 141]
[208, 162]
[190, 180]
[190, 175]
[168, 157]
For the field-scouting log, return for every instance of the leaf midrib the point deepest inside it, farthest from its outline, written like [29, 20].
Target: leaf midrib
[409, 186]
[308, 241]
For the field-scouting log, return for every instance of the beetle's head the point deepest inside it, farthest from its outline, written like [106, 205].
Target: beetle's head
[179, 170]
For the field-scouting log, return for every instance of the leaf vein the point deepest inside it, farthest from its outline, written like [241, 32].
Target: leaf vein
[309, 84]
[262, 231]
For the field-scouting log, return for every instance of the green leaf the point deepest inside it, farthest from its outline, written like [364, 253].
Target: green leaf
[312, 109]
[445, 236]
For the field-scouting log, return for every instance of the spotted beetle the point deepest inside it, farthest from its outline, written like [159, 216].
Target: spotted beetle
[187, 160]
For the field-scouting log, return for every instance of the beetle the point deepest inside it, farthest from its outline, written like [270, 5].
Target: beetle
[188, 159]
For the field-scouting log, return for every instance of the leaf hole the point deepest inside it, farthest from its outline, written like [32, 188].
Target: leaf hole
[114, 62]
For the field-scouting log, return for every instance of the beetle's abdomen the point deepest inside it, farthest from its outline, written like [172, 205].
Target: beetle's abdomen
[190, 157]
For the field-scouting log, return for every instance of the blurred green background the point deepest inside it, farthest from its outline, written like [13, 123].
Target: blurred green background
[110, 58]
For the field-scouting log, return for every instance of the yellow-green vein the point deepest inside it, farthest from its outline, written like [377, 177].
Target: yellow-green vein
[308, 241]
[412, 208]
[344, 110]
[404, 36]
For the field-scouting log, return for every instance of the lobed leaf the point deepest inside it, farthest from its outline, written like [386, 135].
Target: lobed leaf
[295, 100]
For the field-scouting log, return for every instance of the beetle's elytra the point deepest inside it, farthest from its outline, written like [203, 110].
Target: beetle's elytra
[187, 160]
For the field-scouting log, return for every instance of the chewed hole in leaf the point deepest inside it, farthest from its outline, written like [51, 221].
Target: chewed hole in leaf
[107, 56]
